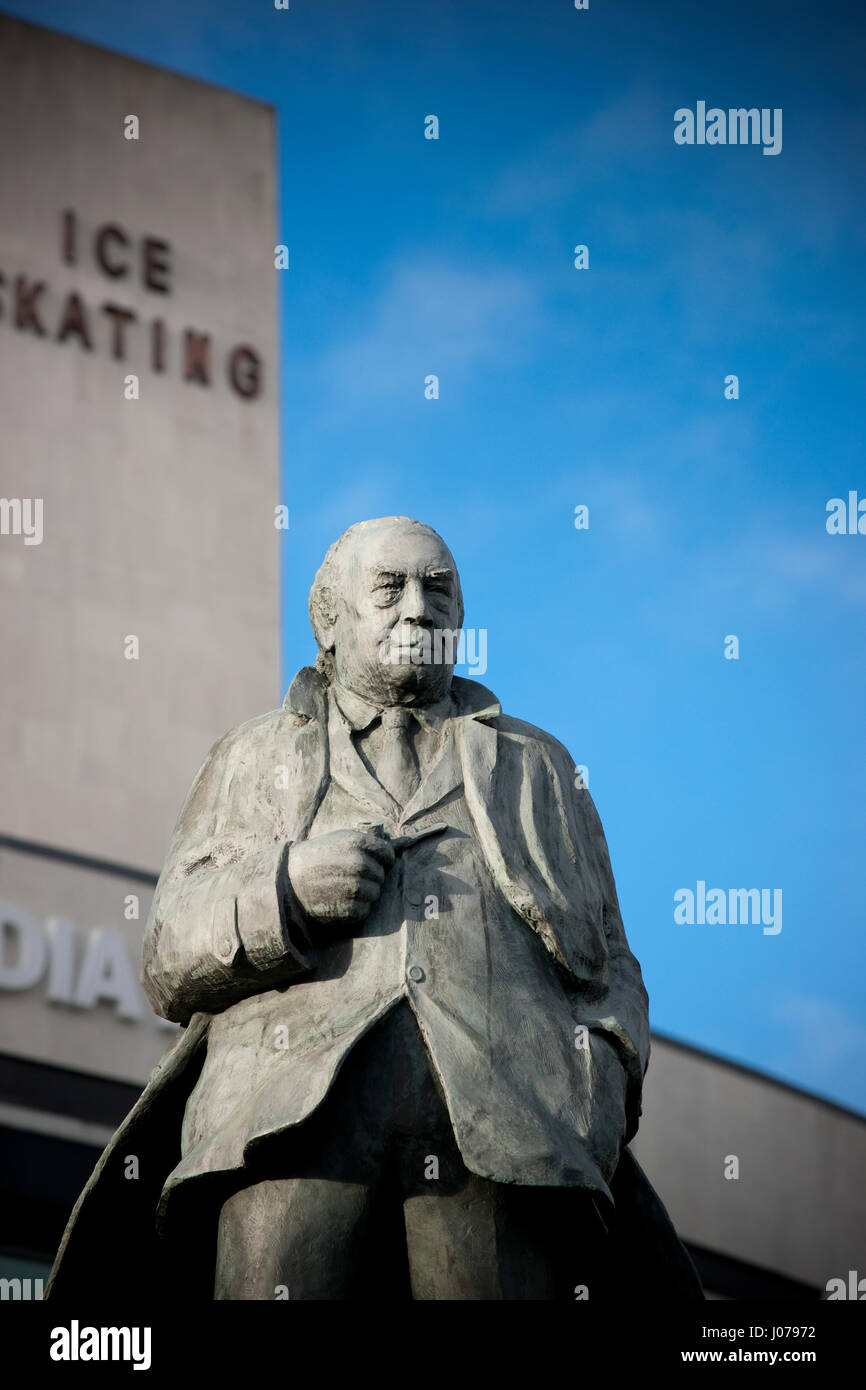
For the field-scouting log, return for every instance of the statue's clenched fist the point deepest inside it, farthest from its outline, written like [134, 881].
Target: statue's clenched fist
[338, 877]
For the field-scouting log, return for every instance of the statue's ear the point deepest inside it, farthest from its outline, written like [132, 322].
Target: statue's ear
[328, 612]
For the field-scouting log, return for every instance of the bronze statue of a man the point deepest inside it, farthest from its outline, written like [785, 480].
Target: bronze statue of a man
[414, 1034]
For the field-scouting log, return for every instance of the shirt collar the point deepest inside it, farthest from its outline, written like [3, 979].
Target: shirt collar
[360, 713]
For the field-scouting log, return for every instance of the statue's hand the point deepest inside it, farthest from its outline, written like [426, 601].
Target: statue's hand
[338, 877]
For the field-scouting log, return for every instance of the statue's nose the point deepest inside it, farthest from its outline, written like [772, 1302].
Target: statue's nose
[413, 607]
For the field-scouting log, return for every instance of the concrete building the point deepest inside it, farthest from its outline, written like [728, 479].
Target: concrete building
[138, 548]
[138, 602]
[763, 1181]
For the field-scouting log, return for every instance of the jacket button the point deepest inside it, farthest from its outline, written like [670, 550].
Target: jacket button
[413, 898]
[415, 973]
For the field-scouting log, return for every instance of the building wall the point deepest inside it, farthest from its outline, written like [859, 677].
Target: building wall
[69, 973]
[120, 517]
[796, 1207]
[158, 513]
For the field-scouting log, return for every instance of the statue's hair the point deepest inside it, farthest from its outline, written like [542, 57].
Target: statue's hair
[325, 593]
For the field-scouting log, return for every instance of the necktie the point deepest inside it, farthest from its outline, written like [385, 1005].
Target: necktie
[397, 768]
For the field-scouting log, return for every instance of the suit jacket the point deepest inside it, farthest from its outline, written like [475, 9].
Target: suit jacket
[528, 945]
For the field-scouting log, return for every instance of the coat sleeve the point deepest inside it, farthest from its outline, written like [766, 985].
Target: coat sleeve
[221, 925]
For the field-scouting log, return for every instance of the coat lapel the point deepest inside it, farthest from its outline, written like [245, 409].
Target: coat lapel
[551, 889]
[474, 702]
[350, 772]
[444, 776]
[325, 744]
[307, 752]
[545, 883]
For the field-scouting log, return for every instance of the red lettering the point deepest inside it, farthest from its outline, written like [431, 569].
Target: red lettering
[157, 345]
[196, 357]
[111, 232]
[26, 296]
[154, 261]
[68, 237]
[74, 320]
[245, 371]
[120, 317]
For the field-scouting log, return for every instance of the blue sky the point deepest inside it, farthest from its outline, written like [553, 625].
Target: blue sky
[602, 387]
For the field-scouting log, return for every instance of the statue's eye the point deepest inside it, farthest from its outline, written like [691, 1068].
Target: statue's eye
[387, 592]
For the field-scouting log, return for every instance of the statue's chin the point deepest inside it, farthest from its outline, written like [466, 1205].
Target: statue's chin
[398, 683]
[421, 682]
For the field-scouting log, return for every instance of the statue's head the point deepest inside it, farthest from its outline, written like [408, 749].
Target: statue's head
[386, 608]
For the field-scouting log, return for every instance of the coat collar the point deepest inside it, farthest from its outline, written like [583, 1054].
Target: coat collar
[360, 713]
[471, 703]
[307, 697]
[554, 890]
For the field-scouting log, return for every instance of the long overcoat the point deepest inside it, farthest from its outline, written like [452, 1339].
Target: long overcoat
[532, 1007]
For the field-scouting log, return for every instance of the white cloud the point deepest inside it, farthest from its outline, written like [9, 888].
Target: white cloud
[432, 318]
[824, 1040]
[622, 135]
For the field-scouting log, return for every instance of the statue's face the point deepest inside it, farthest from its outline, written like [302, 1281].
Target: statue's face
[396, 638]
